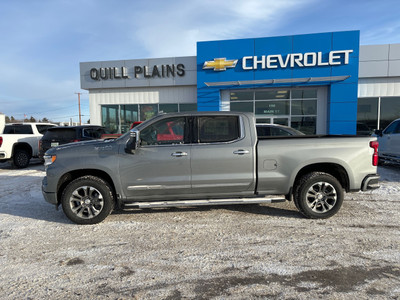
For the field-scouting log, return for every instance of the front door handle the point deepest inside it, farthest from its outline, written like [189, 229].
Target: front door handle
[241, 152]
[179, 154]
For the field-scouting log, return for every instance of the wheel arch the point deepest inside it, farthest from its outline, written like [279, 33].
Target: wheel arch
[336, 170]
[72, 175]
[22, 146]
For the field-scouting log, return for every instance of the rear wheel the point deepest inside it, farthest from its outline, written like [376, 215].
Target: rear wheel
[87, 200]
[318, 195]
[21, 158]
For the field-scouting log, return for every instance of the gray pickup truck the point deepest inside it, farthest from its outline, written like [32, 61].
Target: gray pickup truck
[207, 158]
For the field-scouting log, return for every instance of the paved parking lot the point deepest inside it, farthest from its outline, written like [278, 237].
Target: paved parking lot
[235, 252]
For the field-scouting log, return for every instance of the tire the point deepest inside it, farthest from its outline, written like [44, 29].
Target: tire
[318, 195]
[21, 158]
[87, 200]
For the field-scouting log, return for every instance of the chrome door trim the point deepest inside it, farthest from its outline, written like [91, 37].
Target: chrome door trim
[156, 187]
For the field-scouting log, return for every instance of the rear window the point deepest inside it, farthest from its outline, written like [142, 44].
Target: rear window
[18, 129]
[43, 128]
[279, 132]
[60, 134]
[263, 131]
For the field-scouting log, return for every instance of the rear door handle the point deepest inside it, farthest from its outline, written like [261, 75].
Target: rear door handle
[179, 154]
[241, 152]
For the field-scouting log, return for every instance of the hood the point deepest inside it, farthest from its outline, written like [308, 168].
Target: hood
[91, 145]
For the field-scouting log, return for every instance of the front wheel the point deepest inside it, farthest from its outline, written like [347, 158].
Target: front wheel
[318, 195]
[87, 200]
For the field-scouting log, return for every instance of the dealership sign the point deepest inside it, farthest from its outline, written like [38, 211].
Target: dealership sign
[275, 61]
[156, 71]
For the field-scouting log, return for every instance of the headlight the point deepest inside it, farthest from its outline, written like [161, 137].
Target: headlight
[49, 159]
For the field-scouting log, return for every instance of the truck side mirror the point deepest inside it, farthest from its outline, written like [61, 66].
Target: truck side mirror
[378, 132]
[131, 145]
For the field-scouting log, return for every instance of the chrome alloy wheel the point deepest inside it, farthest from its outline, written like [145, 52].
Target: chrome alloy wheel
[86, 202]
[321, 197]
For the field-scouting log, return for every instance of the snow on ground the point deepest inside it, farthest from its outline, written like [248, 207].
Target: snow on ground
[235, 252]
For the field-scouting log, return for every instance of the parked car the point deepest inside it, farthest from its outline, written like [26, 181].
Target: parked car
[207, 158]
[69, 134]
[19, 142]
[389, 142]
[264, 130]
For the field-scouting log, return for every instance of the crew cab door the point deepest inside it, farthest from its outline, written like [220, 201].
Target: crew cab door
[222, 158]
[161, 165]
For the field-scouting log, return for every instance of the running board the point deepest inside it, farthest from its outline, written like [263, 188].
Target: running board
[160, 204]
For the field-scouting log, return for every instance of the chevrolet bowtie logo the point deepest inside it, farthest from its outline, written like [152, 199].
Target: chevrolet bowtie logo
[220, 64]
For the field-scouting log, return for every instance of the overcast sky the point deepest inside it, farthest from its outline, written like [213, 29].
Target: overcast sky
[43, 41]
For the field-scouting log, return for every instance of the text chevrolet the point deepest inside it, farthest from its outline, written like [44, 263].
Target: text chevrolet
[193, 159]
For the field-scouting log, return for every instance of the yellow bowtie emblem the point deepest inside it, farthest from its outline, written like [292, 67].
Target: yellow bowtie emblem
[220, 64]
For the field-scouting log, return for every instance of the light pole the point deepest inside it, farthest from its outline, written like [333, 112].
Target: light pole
[79, 104]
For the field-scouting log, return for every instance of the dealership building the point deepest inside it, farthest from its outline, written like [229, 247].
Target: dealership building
[324, 83]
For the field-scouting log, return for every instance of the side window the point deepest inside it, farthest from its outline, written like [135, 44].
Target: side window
[263, 131]
[165, 132]
[279, 132]
[18, 129]
[87, 132]
[8, 130]
[99, 132]
[93, 132]
[24, 129]
[397, 130]
[392, 128]
[218, 129]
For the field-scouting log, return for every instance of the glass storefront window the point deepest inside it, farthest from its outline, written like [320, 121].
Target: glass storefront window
[281, 121]
[304, 94]
[119, 118]
[110, 117]
[367, 115]
[129, 114]
[390, 110]
[241, 96]
[306, 125]
[272, 108]
[168, 108]
[376, 113]
[147, 111]
[187, 107]
[242, 106]
[263, 121]
[273, 94]
[291, 107]
[304, 107]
